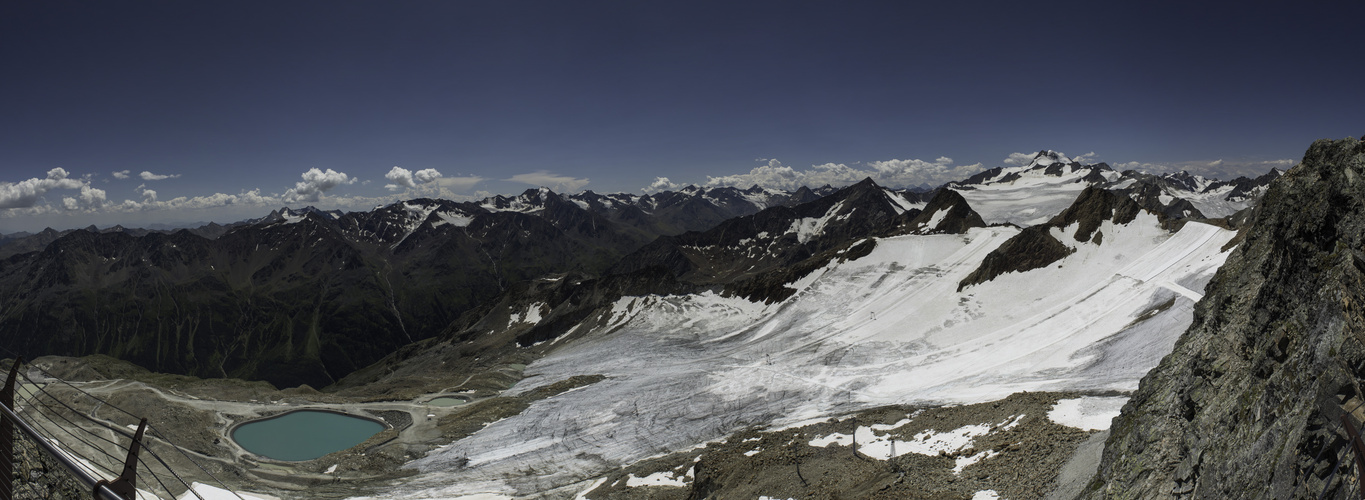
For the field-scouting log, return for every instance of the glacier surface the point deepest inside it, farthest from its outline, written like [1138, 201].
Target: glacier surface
[888, 328]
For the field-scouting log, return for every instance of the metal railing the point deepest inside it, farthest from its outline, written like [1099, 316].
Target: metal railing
[110, 462]
[1346, 448]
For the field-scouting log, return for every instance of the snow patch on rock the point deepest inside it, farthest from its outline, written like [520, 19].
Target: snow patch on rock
[1087, 413]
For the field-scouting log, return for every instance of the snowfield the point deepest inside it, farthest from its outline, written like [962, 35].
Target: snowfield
[1029, 200]
[889, 328]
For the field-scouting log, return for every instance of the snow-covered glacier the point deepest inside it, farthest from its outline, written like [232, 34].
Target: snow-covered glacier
[888, 328]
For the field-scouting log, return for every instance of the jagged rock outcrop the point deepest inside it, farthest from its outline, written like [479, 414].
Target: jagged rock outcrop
[775, 238]
[1093, 207]
[1032, 248]
[1035, 247]
[1248, 404]
[946, 213]
[1149, 195]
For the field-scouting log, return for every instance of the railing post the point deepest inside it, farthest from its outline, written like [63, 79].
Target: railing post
[1359, 448]
[7, 433]
[126, 484]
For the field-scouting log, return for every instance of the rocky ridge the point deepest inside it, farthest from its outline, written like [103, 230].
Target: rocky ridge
[1249, 403]
[1036, 246]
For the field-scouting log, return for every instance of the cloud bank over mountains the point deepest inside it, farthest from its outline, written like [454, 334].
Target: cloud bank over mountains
[403, 178]
[26, 193]
[542, 178]
[58, 193]
[891, 173]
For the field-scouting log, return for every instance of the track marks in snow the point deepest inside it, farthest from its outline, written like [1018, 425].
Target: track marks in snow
[888, 328]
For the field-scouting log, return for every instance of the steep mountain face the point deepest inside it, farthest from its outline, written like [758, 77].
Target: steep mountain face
[290, 303]
[558, 308]
[691, 208]
[16, 244]
[562, 303]
[744, 247]
[1248, 404]
[308, 296]
[946, 213]
[19, 243]
[296, 298]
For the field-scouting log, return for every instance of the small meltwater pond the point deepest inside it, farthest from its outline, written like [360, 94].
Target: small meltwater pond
[447, 401]
[304, 434]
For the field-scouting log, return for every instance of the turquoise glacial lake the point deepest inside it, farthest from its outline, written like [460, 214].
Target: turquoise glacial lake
[304, 435]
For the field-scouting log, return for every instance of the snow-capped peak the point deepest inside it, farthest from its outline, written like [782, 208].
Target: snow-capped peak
[1047, 157]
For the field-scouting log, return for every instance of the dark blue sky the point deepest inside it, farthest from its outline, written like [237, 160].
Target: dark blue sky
[239, 96]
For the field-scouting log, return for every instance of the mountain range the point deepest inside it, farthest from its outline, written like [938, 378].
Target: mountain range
[660, 327]
[306, 296]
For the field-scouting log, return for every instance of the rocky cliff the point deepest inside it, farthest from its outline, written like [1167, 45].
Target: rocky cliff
[1248, 404]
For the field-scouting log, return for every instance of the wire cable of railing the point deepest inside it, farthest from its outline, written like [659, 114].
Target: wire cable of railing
[68, 430]
[1348, 489]
[148, 467]
[150, 451]
[144, 471]
[64, 382]
[117, 445]
[49, 448]
[93, 465]
[1343, 489]
[35, 402]
[101, 402]
[39, 402]
[196, 463]
[87, 464]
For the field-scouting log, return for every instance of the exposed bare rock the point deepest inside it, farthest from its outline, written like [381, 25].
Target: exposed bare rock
[1248, 404]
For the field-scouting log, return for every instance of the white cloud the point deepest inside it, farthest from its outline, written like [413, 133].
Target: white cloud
[1216, 162]
[560, 183]
[24, 194]
[660, 184]
[252, 198]
[426, 183]
[459, 183]
[891, 173]
[315, 183]
[148, 176]
[1084, 159]
[1139, 166]
[90, 199]
[404, 178]
[122, 174]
